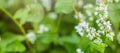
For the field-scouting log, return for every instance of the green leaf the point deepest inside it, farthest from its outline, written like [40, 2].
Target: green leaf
[99, 47]
[22, 14]
[8, 38]
[114, 10]
[71, 48]
[64, 6]
[16, 47]
[37, 13]
[70, 39]
[31, 13]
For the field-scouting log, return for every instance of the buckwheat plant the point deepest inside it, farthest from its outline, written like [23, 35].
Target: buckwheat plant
[104, 25]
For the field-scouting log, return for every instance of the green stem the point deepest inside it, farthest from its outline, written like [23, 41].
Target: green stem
[59, 20]
[14, 20]
[17, 23]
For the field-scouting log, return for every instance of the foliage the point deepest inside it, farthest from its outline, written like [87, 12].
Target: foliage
[29, 26]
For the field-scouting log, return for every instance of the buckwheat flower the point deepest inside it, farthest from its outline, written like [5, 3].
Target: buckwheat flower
[78, 50]
[88, 6]
[91, 33]
[90, 36]
[53, 15]
[110, 35]
[95, 13]
[103, 23]
[79, 3]
[42, 28]
[98, 41]
[31, 37]
[46, 4]
[84, 27]
[80, 27]
[79, 16]
[88, 13]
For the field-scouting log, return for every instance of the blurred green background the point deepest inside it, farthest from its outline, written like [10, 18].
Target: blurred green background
[58, 17]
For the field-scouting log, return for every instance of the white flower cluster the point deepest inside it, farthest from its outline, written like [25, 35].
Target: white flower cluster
[91, 32]
[31, 37]
[79, 50]
[104, 25]
[42, 28]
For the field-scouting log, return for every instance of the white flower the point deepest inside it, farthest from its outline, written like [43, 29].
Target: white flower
[88, 6]
[42, 28]
[90, 36]
[84, 27]
[104, 25]
[79, 3]
[80, 27]
[53, 15]
[31, 37]
[88, 13]
[79, 50]
[95, 13]
[46, 4]
[91, 33]
[79, 16]
[110, 35]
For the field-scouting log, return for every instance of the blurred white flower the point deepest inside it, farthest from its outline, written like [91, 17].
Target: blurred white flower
[31, 37]
[110, 1]
[88, 6]
[79, 3]
[79, 16]
[116, 1]
[88, 13]
[95, 13]
[91, 18]
[46, 4]
[53, 15]
[42, 28]
[78, 50]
